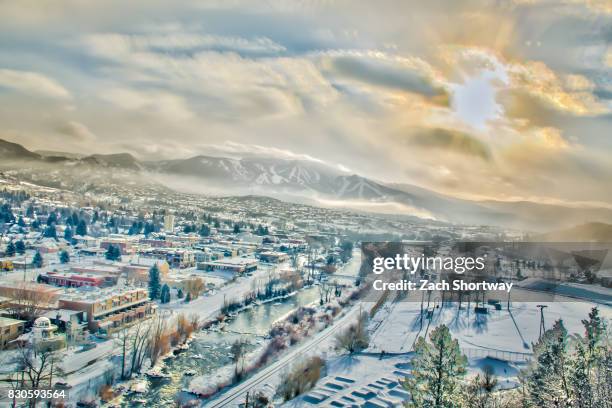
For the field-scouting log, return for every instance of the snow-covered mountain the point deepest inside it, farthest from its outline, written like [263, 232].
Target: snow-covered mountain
[305, 181]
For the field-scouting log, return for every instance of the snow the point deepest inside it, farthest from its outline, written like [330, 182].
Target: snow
[498, 331]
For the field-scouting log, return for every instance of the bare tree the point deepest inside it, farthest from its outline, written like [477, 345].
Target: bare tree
[27, 302]
[238, 354]
[140, 343]
[159, 341]
[124, 338]
[38, 367]
[194, 287]
[355, 338]
[302, 377]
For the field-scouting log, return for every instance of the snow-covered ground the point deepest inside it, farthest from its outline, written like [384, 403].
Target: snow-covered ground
[500, 339]
[397, 325]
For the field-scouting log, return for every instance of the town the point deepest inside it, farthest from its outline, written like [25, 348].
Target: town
[178, 298]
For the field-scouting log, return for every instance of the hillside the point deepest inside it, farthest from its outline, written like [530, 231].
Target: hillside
[589, 232]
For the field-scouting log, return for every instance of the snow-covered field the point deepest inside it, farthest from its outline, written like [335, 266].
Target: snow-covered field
[500, 340]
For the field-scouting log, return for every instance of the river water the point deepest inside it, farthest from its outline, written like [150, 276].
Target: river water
[210, 351]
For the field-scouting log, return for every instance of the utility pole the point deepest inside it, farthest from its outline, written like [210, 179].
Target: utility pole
[542, 326]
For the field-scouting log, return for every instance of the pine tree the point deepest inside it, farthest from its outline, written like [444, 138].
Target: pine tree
[188, 297]
[20, 247]
[37, 261]
[437, 369]
[21, 222]
[590, 374]
[236, 229]
[113, 253]
[52, 219]
[50, 231]
[10, 249]
[81, 228]
[154, 283]
[547, 380]
[64, 257]
[165, 294]
[68, 234]
[204, 230]
[180, 294]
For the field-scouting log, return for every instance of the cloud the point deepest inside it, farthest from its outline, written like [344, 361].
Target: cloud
[160, 103]
[32, 83]
[379, 69]
[175, 40]
[77, 131]
[450, 140]
[241, 150]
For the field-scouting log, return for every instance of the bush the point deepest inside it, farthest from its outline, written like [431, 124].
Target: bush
[302, 378]
[355, 338]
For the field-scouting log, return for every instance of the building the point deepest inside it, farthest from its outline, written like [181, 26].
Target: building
[123, 244]
[273, 257]
[10, 329]
[21, 295]
[76, 281]
[169, 222]
[44, 335]
[139, 273]
[237, 266]
[108, 310]
[180, 258]
[99, 269]
[72, 322]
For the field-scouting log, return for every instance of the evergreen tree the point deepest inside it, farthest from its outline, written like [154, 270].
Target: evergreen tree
[236, 228]
[217, 224]
[68, 234]
[20, 247]
[590, 376]
[204, 230]
[64, 257]
[35, 224]
[180, 294]
[437, 369]
[52, 218]
[81, 228]
[37, 261]
[95, 217]
[188, 297]
[113, 253]
[149, 228]
[547, 380]
[21, 222]
[10, 249]
[50, 231]
[165, 293]
[154, 282]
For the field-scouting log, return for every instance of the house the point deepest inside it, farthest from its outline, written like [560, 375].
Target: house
[10, 329]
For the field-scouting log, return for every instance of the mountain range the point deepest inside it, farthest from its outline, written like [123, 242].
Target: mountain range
[310, 182]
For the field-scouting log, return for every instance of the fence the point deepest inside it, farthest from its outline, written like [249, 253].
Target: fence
[512, 356]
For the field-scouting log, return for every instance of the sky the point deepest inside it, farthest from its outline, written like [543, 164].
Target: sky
[505, 100]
